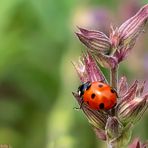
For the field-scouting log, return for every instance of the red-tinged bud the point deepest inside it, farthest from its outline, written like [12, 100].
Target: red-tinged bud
[113, 128]
[129, 31]
[96, 41]
[132, 111]
[130, 95]
[138, 144]
[95, 118]
[117, 134]
[121, 40]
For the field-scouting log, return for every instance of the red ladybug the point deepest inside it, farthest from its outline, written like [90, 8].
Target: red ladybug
[98, 95]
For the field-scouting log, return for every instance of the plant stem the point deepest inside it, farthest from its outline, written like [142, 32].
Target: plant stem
[110, 145]
[114, 77]
[114, 82]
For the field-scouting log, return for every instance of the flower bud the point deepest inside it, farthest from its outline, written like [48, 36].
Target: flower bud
[138, 144]
[132, 110]
[93, 71]
[118, 135]
[130, 30]
[96, 118]
[128, 33]
[113, 128]
[106, 61]
[88, 70]
[95, 40]
[130, 95]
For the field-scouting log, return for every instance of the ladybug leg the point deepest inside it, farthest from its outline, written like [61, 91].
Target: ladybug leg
[81, 103]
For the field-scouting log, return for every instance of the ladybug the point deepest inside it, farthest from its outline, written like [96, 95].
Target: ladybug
[97, 95]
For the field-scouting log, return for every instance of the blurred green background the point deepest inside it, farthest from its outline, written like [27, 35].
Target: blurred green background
[37, 45]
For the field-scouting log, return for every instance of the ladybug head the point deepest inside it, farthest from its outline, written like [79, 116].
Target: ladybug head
[82, 88]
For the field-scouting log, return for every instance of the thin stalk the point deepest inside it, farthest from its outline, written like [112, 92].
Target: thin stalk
[114, 82]
[114, 77]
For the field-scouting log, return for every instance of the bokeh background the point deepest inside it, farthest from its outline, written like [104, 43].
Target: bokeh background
[37, 45]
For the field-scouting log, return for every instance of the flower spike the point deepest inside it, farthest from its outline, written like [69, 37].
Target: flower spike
[111, 116]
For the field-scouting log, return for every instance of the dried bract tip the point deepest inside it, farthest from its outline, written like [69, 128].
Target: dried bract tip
[114, 37]
[122, 86]
[140, 89]
[81, 70]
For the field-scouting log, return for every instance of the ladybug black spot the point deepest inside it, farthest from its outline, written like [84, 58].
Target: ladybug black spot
[101, 106]
[93, 96]
[100, 85]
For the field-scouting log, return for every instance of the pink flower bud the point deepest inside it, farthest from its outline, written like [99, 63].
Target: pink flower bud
[95, 40]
